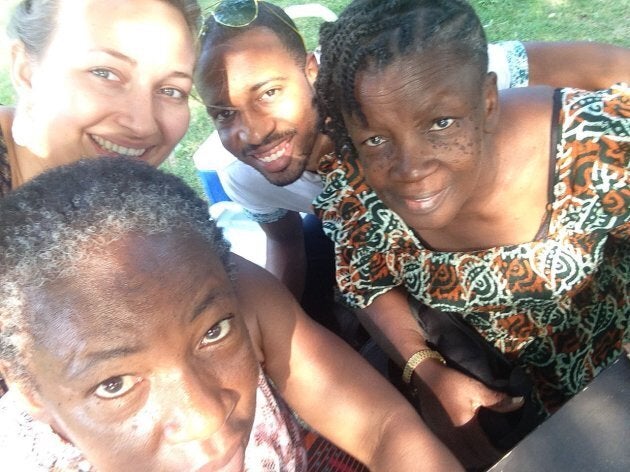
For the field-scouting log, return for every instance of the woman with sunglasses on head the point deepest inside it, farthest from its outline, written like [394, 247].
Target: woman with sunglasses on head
[507, 213]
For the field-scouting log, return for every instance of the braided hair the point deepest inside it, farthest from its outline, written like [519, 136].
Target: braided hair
[371, 34]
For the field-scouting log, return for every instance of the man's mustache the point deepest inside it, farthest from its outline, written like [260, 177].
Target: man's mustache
[251, 148]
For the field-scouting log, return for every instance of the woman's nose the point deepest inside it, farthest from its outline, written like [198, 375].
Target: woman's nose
[414, 160]
[196, 412]
[138, 114]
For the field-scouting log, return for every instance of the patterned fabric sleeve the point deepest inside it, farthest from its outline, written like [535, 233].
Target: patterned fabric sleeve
[367, 266]
[517, 62]
[594, 161]
[276, 441]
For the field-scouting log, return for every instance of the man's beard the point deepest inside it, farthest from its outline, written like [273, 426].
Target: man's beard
[287, 176]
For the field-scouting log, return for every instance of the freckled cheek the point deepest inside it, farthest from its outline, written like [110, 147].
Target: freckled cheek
[461, 152]
[374, 171]
[376, 168]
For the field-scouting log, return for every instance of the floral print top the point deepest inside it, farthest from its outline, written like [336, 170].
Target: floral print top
[558, 305]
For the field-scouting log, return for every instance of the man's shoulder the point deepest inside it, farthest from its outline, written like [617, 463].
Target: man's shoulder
[241, 180]
[248, 187]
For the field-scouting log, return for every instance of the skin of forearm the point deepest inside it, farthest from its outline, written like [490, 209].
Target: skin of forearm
[421, 450]
[289, 266]
[390, 322]
[580, 64]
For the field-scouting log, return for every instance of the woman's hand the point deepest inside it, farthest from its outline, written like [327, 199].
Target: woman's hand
[449, 402]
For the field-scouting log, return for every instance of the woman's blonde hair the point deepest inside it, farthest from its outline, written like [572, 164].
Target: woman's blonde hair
[33, 21]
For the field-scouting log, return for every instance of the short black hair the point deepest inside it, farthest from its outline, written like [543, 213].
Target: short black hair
[373, 33]
[55, 221]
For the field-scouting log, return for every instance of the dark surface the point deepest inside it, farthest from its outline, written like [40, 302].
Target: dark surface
[589, 433]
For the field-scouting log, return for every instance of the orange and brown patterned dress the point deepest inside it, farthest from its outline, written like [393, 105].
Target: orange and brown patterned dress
[559, 305]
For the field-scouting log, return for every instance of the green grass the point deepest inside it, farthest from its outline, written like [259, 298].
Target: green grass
[549, 20]
[556, 20]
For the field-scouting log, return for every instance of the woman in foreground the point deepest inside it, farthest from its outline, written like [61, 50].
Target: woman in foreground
[131, 339]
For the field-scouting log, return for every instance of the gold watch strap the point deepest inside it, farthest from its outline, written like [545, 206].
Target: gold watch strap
[415, 360]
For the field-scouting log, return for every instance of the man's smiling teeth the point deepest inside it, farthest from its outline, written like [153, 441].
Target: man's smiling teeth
[123, 151]
[280, 150]
[272, 157]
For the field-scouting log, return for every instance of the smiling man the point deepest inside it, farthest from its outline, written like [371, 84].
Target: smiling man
[257, 83]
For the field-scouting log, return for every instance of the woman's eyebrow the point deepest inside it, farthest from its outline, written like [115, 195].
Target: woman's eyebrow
[133, 62]
[77, 367]
[115, 53]
[209, 299]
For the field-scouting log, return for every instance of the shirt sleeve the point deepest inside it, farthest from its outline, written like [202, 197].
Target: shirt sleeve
[371, 242]
[241, 183]
[508, 59]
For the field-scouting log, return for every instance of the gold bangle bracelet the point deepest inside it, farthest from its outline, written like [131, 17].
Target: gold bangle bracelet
[415, 360]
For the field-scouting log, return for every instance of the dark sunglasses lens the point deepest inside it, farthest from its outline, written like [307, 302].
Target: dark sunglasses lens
[236, 12]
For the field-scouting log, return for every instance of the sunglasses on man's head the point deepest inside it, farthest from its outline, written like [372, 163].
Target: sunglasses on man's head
[239, 13]
[234, 13]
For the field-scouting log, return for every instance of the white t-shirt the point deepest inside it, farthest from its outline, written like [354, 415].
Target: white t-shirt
[266, 203]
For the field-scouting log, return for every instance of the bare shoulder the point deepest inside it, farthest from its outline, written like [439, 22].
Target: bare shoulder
[526, 103]
[525, 125]
[253, 283]
[266, 304]
[525, 158]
